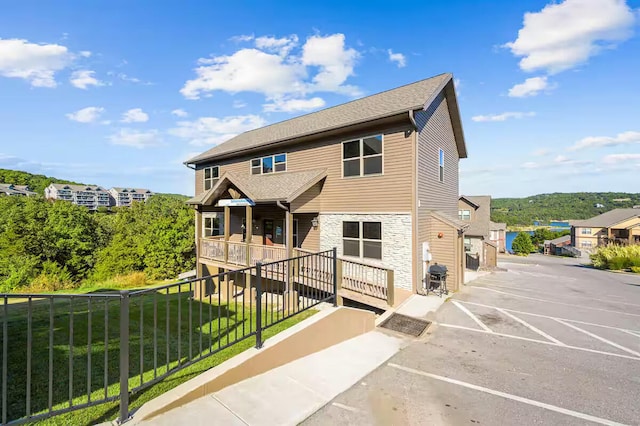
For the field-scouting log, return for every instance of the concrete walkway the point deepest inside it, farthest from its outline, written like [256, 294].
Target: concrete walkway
[289, 394]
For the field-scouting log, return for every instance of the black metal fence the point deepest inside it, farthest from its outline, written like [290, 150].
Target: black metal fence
[473, 262]
[65, 352]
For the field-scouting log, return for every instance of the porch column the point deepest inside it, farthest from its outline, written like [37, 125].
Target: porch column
[291, 296]
[227, 225]
[248, 221]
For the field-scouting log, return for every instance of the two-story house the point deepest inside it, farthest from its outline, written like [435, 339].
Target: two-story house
[90, 197]
[123, 197]
[16, 190]
[483, 239]
[376, 177]
[618, 226]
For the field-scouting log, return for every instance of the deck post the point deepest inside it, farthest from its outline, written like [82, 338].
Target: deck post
[248, 224]
[338, 279]
[390, 287]
[227, 225]
[291, 295]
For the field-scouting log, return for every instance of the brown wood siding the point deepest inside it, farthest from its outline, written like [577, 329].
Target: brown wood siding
[463, 205]
[309, 201]
[390, 192]
[309, 238]
[444, 250]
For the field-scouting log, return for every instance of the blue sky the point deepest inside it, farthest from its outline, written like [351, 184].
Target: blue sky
[120, 93]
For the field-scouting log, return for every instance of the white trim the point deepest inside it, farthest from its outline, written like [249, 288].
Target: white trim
[273, 159]
[441, 153]
[204, 177]
[361, 156]
[512, 397]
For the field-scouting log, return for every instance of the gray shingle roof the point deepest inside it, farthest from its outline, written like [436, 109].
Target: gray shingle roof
[608, 219]
[459, 224]
[136, 190]
[560, 240]
[496, 226]
[481, 225]
[264, 188]
[78, 187]
[385, 104]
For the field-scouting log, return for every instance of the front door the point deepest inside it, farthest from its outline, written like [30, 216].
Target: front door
[273, 232]
[267, 235]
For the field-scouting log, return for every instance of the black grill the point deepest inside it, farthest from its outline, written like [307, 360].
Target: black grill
[437, 279]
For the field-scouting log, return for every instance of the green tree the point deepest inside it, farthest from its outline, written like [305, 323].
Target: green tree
[522, 244]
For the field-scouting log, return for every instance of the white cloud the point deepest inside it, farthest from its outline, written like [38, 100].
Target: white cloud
[559, 162]
[398, 58]
[239, 104]
[278, 68]
[531, 87]
[621, 158]
[36, 63]
[502, 117]
[242, 38]
[128, 78]
[136, 138]
[85, 53]
[135, 115]
[291, 105]
[82, 79]
[566, 34]
[541, 152]
[213, 130]
[86, 115]
[179, 112]
[624, 138]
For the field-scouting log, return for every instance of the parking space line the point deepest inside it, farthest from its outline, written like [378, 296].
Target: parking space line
[554, 301]
[345, 407]
[530, 327]
[544, 342]
[634, 332]
[602, 339]
[509, 396]
[473, 317]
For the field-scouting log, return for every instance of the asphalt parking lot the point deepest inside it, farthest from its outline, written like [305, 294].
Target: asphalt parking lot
[546, 342]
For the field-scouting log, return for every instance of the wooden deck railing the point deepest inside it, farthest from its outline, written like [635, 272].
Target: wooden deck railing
[367, 279]
[238, 253]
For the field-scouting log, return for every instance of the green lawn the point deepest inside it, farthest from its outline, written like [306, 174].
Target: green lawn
[186, 318]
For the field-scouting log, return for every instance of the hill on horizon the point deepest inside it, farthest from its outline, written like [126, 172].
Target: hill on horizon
[559, 206]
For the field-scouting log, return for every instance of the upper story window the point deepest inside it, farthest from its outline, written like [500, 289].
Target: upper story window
[211, 175]
[362, 157]
[441, 165]
[270, 164]
[464, 214]
[586, 231]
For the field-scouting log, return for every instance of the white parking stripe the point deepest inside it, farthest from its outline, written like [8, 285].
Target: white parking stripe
[634, 332]
[512, 397]
[530, 327]
[473, 317]
[544, 342]
[602, 339]
[345, 407]
[554, 301]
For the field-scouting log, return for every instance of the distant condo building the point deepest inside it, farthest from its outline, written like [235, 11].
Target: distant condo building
[88, 196]
[123, 197]
[19, 190]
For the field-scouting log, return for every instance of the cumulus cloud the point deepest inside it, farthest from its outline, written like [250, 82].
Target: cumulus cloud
[566, 34]
[531, 87]
[624, 138]
[558, 162]
[278, 68]
[214, 130]
[621, 158]
[33, 62]
[239, 104]
[135, 115]
[86, 115]
[82, 79]
[541, 152]
[179, 112]
[502, 117]
[136, 138]
[291, 105]
[398, 58]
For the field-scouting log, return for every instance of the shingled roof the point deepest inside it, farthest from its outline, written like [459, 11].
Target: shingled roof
[406, 98]
[608, 219]
[482, 223]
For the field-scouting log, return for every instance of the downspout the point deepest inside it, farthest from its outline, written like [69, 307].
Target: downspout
[282, 206]
[413, 120]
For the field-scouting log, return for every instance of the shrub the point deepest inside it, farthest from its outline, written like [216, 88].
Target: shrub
[522, 244]
[635, 269]
[53, 277]
[616, 257]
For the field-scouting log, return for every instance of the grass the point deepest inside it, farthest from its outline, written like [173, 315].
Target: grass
[70, 350]
[617, 258]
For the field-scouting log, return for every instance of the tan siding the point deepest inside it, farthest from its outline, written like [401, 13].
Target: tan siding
[435, 132]
[309, 201]
[445, 250]
[309, 237]
[390, 192]
[463, 205]
[199, 182]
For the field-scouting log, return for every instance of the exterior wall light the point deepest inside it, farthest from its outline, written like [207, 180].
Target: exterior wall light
[314, 222]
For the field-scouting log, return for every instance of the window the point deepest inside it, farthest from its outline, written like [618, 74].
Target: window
[213, 224]
[467, 244]
[270, 164]
[586, 231]
[362, 239]
[362, 157]
[295, 233]
[441, 163]
[211, 175]
[464, 214]
[586, 244]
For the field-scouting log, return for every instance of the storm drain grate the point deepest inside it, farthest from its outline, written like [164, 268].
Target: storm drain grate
[404, 324]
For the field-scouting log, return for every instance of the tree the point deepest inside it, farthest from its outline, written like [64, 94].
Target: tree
[522, 244]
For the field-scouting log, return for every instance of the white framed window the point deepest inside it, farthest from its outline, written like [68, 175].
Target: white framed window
[464, 214]
[586, 244]
[211, 175]
[362, 239]
[586, 231]
[441, 165]
[467, 244]
[269, 164]
[212, 224]
[362, 157]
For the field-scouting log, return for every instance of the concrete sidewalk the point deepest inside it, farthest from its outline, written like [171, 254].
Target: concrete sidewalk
[289, 394]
